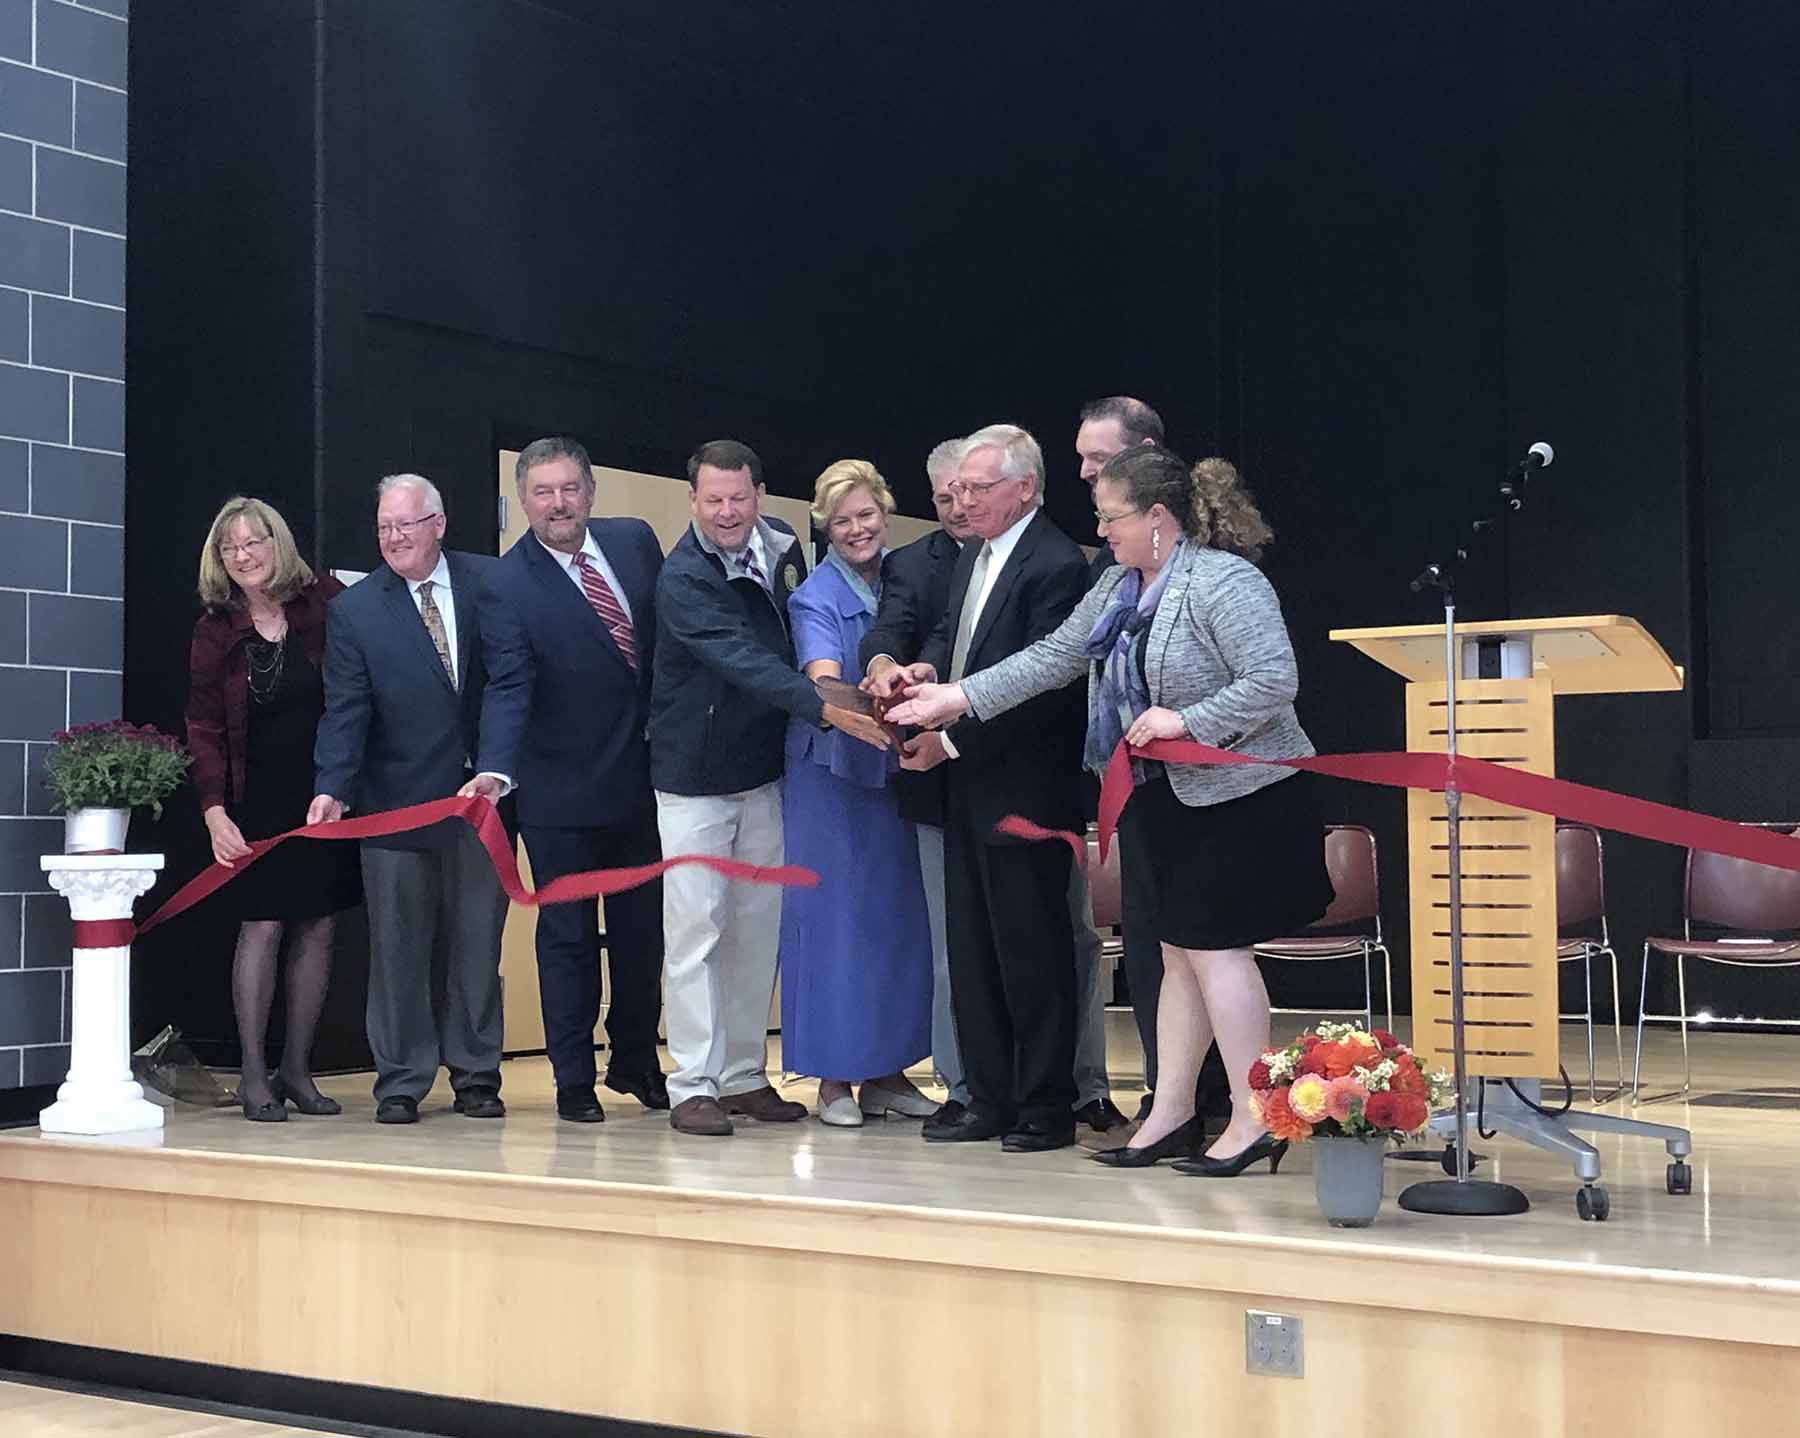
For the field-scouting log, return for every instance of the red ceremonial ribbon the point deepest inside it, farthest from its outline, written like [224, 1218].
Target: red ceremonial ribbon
[102, 933]
[481, 816]
[1560, 798]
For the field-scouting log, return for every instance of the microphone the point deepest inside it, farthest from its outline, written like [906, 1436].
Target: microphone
[1512, 488]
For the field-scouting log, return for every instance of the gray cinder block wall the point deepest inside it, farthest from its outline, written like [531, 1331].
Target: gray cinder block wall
[62, 465]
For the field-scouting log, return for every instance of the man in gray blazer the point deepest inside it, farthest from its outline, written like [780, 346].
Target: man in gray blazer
[403, 685]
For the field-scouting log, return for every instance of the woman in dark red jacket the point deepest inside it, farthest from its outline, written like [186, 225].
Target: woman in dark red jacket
[254, 701]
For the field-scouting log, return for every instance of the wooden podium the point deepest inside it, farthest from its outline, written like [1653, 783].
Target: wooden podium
[1510, 675]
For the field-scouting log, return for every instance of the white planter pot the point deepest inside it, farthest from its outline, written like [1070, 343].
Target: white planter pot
[95, 831]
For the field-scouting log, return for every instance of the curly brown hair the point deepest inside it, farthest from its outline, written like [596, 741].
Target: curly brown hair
[1210, 501]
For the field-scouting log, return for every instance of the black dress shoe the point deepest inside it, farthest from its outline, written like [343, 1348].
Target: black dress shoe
[314, 1104]
[480, 1101]
[578, 1105]
[1038, 1138]
[398, 1109]
[650, 1089]
[967, 1127]
[1183, 1142]
[948, 1112]
[1101, 1115]
[1268, 1146]
[1145, 1104]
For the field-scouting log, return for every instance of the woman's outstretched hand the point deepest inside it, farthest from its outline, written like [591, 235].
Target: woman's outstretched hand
[1155, 723]
[928, 706]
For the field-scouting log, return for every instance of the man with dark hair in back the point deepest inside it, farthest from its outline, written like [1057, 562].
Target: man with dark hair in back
[1110, 426]
[725, 686]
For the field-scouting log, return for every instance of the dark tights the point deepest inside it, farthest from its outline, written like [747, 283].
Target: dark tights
[253, 991]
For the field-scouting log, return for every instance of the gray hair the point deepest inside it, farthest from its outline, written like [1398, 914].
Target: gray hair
[1019, 453]
[945, 457]
[542, 451]
[391, 482]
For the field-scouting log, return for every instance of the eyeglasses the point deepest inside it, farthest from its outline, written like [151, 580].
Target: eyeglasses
[249, 549]
[403, 528]
[1104, 518]
[957, 486]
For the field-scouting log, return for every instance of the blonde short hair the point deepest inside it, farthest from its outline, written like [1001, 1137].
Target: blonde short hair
[839, 479]
[217, 589]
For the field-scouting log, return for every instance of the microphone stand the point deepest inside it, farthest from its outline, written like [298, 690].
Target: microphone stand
[1463, 1194]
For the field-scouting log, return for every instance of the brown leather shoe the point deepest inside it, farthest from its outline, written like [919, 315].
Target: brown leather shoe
[764, 1105]
[700, 1115]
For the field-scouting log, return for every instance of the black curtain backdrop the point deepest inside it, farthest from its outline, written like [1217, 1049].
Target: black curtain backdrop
[1370, 253]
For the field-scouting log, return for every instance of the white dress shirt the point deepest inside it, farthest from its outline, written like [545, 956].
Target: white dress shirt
[1000, 550]
[445, 599]
[599, 561]
[441, 595]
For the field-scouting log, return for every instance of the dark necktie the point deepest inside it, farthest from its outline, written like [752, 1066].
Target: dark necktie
[747, 565]
[606, 605]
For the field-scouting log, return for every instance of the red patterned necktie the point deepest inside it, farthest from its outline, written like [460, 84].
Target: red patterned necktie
[606, 605]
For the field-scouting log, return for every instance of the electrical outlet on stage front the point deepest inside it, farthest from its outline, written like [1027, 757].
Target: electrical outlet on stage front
[1273, 1344]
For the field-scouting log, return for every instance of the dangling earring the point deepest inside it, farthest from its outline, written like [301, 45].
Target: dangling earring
[1156, 545]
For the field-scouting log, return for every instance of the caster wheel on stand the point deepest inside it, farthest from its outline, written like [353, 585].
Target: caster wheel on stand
[1592, 1204]
[1680, 1178]
[1449, 1159]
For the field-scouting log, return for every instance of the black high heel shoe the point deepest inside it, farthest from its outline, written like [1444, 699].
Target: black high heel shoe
[313, 1105]
[274, 1111]
[1183, 1142]
[1268, 1146]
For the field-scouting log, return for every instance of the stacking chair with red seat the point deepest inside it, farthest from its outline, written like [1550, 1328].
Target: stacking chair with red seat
[1749, 917]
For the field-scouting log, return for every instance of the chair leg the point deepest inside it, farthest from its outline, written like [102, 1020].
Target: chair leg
[1637, 1065]
[1687, 1066]
[1387, 983]
[1618, 1027]
[1368, 989]
[1587, 975]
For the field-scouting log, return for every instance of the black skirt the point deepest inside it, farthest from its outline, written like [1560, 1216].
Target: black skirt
[302, 878]
[1233, 874]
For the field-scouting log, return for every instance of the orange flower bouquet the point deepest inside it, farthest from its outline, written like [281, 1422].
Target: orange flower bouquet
[1340, 1081]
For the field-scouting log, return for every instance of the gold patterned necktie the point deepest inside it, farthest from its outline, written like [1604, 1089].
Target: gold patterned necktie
[434, 626]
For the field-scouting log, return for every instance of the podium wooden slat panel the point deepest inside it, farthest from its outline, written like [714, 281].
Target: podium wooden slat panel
[1509, 923]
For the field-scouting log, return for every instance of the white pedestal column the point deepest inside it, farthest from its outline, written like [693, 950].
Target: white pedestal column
[100, 1095]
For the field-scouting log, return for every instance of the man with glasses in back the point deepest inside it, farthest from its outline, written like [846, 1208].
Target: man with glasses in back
[404, 679]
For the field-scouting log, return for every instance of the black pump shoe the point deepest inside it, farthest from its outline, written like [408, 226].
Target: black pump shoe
[1183, 1142]
[274, 1111]
[1268, 1146]
[313, 1105]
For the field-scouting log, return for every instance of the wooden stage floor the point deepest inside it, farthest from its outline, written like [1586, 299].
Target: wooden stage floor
[863, 1281]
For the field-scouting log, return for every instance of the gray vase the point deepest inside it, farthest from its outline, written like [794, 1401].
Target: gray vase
[1347, 1178]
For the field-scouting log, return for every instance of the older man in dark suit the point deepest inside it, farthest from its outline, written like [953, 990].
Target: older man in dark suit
[404, 678]
[1012, 947]
[571, 637]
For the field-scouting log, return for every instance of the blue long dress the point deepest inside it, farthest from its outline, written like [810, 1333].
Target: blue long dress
[855, 951]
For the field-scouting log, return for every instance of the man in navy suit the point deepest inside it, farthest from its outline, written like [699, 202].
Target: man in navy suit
[403, 687]
[571, 635]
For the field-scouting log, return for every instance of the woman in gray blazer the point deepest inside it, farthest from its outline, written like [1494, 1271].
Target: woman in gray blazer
[1184, 639]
